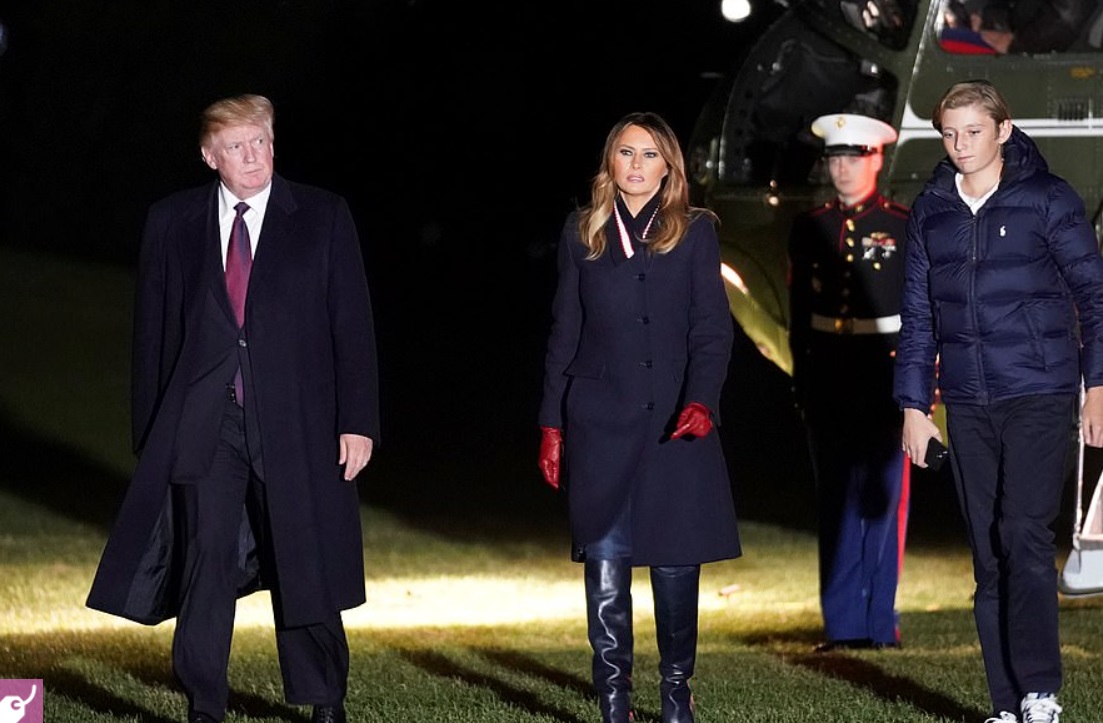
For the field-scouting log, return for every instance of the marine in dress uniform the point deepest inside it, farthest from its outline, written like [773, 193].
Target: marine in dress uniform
[846, 275]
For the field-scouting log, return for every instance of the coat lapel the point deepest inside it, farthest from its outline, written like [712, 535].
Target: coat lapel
[203, 224]
[274, 234]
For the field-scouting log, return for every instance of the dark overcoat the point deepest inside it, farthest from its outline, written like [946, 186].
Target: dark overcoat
[632, 341]
[308, 355]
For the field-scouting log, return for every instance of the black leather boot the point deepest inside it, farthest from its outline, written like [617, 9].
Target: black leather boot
[609, 626]
[675, 591]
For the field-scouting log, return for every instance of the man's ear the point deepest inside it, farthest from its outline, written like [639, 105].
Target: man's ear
[209, 158]
[1003, 131]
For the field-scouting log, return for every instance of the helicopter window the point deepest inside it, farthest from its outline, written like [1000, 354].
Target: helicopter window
[997, 27]
[890, 21]
[768, 138]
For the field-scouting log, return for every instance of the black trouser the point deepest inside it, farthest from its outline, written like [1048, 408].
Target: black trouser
[314, 659]
[1010, 463]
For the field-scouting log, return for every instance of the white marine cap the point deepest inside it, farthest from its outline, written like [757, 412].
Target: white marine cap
[846, 134]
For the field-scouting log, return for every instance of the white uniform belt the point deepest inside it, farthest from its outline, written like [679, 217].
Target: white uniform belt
[880, 325]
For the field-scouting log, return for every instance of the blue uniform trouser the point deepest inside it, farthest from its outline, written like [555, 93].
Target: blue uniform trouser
[860, 478]
[1011, 460]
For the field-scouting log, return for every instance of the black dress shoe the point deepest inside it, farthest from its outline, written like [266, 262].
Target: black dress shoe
[855, 644]
[328, 714]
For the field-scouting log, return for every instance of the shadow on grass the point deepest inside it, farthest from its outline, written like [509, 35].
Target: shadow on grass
[249, 705]
[54, 475]
[530, 666]
[861, 673]
[98, 698]
[54, 657]
[440, 666]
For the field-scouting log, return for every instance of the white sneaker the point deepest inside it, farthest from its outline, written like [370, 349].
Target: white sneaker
[1040, 708]
[1004, 717]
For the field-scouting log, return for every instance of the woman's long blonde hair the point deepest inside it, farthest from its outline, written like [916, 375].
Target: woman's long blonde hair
[674, 210]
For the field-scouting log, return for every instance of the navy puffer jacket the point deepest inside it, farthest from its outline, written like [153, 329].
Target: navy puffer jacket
[997, 297]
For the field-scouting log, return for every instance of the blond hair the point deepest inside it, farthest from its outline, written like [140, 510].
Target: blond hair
[236, 111]
[972, 92]
[674, 211]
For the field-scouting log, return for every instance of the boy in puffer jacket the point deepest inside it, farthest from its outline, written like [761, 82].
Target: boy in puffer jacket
[1004, 288]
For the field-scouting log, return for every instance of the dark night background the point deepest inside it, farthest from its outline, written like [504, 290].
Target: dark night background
[460, 134]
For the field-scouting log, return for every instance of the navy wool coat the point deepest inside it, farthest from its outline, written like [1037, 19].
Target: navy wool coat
[1009, 301]
[310, 374]
[632, 341]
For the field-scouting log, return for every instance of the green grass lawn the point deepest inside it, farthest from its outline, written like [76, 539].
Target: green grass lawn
[473, 615]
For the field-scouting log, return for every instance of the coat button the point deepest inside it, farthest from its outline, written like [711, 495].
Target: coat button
[646, 364]
[644, 320]
[242, 343]
[649, 406]
[641, 276]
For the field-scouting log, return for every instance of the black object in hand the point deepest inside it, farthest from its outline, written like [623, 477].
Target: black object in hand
[937, 454]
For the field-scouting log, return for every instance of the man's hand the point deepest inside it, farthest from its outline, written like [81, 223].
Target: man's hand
[918, 430]
[1091, 417]
[695, 420]
[356, 452]
[551, 451]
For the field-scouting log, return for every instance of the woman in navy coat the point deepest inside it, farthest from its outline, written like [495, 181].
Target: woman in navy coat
[636, 360]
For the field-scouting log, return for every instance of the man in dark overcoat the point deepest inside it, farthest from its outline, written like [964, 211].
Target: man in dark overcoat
[255, 406]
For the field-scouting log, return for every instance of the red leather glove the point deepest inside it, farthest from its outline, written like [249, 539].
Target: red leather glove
[695, 420]
[551, 449]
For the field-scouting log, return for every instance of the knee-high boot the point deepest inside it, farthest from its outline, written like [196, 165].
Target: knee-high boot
[675, 590]
[609, 625]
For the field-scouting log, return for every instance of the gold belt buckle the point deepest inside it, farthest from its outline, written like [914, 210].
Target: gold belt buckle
[844, 326]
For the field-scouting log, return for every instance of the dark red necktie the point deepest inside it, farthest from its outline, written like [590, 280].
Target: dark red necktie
[239, 261]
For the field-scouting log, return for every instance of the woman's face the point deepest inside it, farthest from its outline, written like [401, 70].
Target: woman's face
[638, 167]
[972, 138]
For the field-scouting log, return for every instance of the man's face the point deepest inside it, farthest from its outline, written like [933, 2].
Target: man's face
[243, 156]
[973, 140]
[854, 177]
